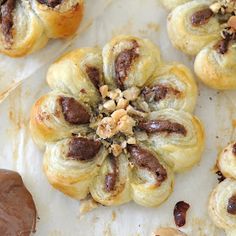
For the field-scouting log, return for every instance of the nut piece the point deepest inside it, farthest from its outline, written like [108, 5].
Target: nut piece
[116, 149]
[109, 105]
[126, 124]
[132, 111]
[169, 232]
[215, 7]
[115, 94]
[131, 94]
[116, 115]
[104, 91]
[232, 22]
[122, 103]
[131, 140]
[106, 128]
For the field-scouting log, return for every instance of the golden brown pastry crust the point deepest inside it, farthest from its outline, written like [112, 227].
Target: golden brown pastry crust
[35, 23]
[126, 167]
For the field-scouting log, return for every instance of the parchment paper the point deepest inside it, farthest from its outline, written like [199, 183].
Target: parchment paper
[59, 215]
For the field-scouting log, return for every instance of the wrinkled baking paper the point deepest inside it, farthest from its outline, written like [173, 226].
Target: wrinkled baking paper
[59, 215]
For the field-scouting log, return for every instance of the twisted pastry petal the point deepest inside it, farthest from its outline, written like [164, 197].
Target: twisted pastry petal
[60, 18]
[177, 136]
[227, 161]
[219, 204]
[171, 4]
[21, 31]
[52, 118]
[152, 180]
[79, 73]
[129, 61]
[172, 86]
[186, 36]
[112, 184]
[70, 167]
[215, 69]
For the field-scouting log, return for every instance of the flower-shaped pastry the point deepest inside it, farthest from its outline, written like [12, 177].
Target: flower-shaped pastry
[26, 26]
[207, 29]
[118, 123]
[222, 203]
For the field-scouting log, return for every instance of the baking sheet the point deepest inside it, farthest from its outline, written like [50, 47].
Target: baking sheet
[59, 215]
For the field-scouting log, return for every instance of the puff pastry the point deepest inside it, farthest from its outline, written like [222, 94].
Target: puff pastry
[188, 37]
[207, 29]
[92, 125]
[26, 26]
[222, 202]
[175, 135]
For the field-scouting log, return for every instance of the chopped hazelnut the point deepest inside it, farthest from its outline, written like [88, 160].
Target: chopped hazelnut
[106, 128]
[215, 7]
[104, 91]
[109, 105]
[126, 124]
[116, 115]
[115, 94]
[131, 94]
[232, 22]
[131, 111]
[122, 103]
[131, 140]
[116, 149]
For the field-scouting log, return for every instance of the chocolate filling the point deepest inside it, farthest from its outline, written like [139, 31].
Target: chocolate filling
[6, 19]
[234, 149]
[222, 45]
[231, 208]
[145, 159]
[73, 111]
[83, 149]
[180, 212]
[17, 208]
[110, 179]
[162, 126]
[93, 74]
[220, 176]
[201, 17]
[50, 3]
[123, 63]
[158, 92]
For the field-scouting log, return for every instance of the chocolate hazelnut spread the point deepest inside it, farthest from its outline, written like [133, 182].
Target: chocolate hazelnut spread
[17, 208]
[234, 149]
[180, 212]
[83, 149]
[162, 126]
[158, 92]
[73, 111]
[110, 179]
[93, 74]
[6, 19]
[220, 176]
[123, 63]
[145, 159]
[231, 208]
[201, 17]
[222, 46]
[50, 3]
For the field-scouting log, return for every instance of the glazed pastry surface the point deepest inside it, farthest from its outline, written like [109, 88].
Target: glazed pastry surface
[207, 29]
[26, 26]
[95, 123]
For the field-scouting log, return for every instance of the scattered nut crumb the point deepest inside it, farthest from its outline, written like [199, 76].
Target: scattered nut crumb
[131, 140]
[122, 103]
[131, 94]
[106, 128]
[116, 149]
[126, 124]
[109, 105]
[104, 91]
[232, 22]
[132, 111]
[116, 115]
